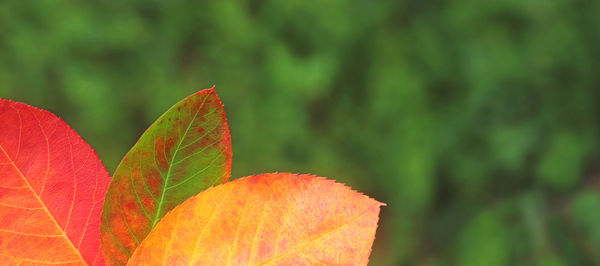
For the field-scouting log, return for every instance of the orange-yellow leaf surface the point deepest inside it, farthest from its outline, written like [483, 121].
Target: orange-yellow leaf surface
[186, 150]
[275, 219]
[52, 187]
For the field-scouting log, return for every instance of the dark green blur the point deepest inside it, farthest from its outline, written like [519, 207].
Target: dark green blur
[475, 121]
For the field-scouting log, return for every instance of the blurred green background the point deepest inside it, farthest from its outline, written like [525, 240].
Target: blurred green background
[475, 121]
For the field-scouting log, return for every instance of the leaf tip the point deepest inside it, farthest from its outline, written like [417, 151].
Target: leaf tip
[332, 182]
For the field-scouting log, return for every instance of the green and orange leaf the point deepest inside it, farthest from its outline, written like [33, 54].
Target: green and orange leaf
[52, 188]
[276, 219]
[186, 150]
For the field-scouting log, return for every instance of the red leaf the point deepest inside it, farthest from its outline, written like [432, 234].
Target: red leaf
[280, 219]
[52, 188]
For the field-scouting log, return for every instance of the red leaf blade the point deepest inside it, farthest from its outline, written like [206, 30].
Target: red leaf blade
[51, 191]
[282, 219]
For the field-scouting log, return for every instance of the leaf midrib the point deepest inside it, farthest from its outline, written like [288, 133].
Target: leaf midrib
[64, 234]
[166, 183]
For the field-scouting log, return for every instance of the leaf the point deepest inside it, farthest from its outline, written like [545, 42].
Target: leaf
[283, 219]
[186, 150]
[52, 187]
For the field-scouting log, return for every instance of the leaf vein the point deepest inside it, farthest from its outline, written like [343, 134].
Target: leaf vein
[300, 246]
[198, 152]
[195, 174]
[137, 196]
[212, 215]
[166, 181]
[29, 234]
[20, 207]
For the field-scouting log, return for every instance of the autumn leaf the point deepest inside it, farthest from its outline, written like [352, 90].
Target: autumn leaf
[52, 188]
[187, 150]
[278, 219]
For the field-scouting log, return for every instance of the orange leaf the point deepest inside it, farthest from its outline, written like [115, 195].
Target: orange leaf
[280, 219]
[52, 187]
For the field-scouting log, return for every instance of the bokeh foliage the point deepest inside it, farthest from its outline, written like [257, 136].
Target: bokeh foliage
[475, 121]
